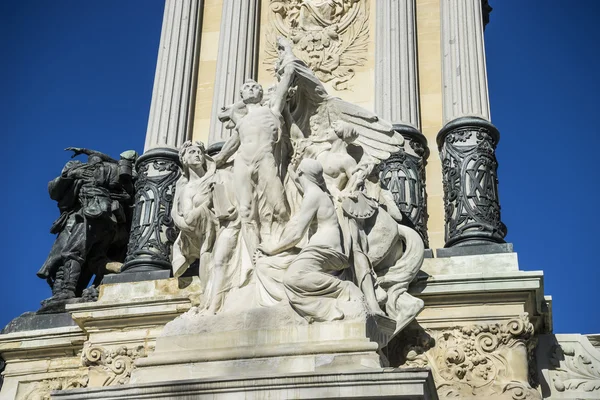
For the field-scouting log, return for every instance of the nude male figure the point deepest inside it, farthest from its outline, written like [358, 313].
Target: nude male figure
[261, 200]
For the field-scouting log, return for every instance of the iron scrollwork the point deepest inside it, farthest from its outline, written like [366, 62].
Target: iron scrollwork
[403, 174]
[469, 168]
[153, 231]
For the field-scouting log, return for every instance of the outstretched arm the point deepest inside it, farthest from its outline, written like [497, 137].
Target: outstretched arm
[78, 150]
[295, 228]
[230, 147]
[281, 91]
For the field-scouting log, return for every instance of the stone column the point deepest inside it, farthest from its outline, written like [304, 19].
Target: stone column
[468, 140]
[169, 125]
[397, 100]
[237, 58]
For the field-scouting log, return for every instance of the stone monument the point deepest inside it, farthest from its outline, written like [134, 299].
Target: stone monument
[277, 238]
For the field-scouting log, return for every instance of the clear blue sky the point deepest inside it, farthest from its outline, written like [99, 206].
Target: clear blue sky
[80, 73]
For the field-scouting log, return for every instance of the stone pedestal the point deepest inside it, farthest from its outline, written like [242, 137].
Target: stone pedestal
[476, 334]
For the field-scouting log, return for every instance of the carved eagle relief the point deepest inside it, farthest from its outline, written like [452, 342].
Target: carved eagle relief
[330, 36]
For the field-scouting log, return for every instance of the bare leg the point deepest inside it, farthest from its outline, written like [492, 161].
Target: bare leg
[365, 282]
[242, 176]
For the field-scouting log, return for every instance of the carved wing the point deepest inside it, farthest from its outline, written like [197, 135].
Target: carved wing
[314, 111]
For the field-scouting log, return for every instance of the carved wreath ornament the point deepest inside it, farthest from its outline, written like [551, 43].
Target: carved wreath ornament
[330, 36]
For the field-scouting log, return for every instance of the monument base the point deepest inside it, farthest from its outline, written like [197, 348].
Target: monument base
[410, 383]
[258, 341]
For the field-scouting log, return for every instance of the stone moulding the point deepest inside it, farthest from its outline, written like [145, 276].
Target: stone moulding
[407, 384]
[487, 360]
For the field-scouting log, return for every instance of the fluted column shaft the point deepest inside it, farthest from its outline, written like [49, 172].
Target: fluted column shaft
[169, 126]
[396, 80]
[397, 100]
[464, 76]
[237, 58]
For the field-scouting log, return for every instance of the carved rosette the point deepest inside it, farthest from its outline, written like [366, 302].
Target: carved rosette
[403, 174]
[110, 367]
[469, 167]
[488, 360]
[153, 231]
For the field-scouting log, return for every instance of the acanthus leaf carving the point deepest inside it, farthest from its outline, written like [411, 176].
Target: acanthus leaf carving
[574, 370]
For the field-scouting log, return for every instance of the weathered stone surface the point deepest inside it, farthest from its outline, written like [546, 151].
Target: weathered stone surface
[31, 321]
[410, 383]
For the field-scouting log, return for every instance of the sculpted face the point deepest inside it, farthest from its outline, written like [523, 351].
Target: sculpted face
[251, 92]
[194, 155]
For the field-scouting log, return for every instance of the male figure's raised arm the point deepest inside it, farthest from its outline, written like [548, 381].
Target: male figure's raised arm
[230, 147]
[281, 91]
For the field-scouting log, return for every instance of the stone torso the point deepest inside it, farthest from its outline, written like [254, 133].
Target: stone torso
[258, 132]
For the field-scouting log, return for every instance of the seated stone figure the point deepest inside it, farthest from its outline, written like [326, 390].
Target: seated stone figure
[310, 282]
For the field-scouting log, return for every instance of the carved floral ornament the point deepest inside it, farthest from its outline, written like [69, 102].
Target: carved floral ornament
[573, 370]
[479, 360]
[106, 367]
[330, 36]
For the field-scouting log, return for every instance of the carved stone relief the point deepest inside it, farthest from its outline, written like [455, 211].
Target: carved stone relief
[110, 367]
[573, 370]
[41, 390]
[488, 360]
[330, 36]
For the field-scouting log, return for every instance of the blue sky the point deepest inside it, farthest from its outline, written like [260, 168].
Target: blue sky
[80, 73]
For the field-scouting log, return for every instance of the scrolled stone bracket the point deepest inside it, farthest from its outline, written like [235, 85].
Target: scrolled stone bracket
[110, 367]
[476, 361]
[153, 231]
[403, 174]
[469, 170]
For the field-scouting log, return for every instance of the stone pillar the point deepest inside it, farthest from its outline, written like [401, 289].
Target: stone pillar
[396, 81]
[169, 125]
[397, 100]
[464, 76]
[467, 142]
[237, 58]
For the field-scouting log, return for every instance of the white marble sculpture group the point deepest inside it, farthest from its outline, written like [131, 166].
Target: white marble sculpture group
[291, 209]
